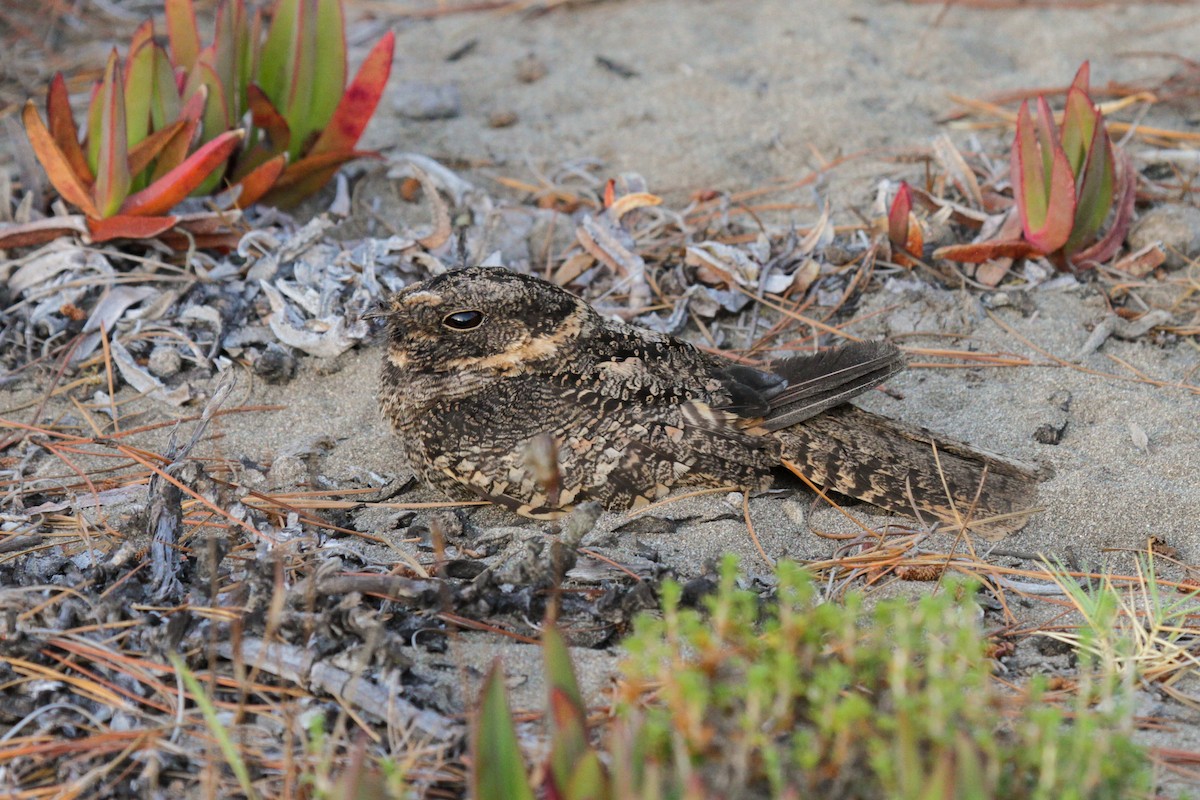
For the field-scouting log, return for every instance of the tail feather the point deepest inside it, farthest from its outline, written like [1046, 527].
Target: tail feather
[909, 470]
[827, 379]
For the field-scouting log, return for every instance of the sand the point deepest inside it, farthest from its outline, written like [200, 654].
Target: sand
[731, 95]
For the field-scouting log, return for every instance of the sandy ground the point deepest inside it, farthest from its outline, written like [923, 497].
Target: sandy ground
[729, 95]
[732, 95]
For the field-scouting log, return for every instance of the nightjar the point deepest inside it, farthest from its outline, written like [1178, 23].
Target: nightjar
[506, 388]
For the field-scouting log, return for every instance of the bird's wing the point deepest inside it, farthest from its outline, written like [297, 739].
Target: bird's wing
[821, 381]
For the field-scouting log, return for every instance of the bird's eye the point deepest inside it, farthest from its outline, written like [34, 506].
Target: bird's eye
[463, 320]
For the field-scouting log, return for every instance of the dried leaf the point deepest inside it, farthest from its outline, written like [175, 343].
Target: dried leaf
[604, 239]
[63, 130]
[978, 252]
[805, 276]
[29, 234]
[334, 338]
[1139, 264]
[629, 202]
[125, 226]
[957, 170]
[572, 268]
[142, 381]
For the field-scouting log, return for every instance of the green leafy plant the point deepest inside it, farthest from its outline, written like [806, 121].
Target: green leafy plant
[803, 698]
[811, 698]
[268, 117]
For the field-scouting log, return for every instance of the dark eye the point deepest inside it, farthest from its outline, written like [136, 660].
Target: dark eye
[463, 320]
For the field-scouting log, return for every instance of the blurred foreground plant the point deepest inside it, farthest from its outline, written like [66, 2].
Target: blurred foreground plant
[269, 117]
[805, 698]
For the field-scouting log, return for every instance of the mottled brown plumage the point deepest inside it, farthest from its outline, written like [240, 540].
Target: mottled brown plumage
[510, 389]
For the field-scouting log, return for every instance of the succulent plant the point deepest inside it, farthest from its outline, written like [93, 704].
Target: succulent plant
[256, 118]
[904, 231]
[1066, 182]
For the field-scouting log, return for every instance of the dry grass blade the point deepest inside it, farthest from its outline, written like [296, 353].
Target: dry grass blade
[1062, 362]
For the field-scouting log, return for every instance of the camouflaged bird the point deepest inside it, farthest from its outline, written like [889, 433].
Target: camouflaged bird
[509, 389]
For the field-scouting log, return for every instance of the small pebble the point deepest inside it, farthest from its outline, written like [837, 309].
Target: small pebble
[164, 361]
[1176, 226]
[530, 69]
[275, 365]
[502, 119]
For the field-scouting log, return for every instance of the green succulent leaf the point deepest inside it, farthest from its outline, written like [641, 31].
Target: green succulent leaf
[182, 33]
[1044, 187]
[329, 70]
[139, 83]
[112, 165]
[357, 104]
[1096, 190]
[183, 95]
[1079, 126]
[276, 57]
[226, 53]
[587, 780]
[92, 140]
[165, 103]
[499, 769]
[1125, 194]
[215, 119]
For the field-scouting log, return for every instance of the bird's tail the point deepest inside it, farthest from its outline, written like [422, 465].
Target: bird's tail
[909, 470]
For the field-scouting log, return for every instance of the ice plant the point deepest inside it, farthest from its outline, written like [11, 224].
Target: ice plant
[269, 117]
[903, 229]
[573, 770]
[1066, 182]
[126, 181]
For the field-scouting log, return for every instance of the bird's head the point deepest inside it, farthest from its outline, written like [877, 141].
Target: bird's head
[482, 319]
